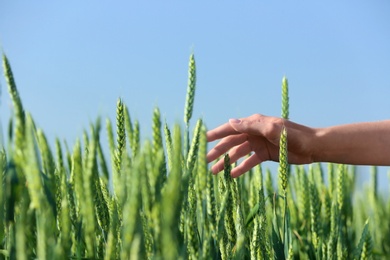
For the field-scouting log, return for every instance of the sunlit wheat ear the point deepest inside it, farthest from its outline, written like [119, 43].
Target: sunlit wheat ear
[341, 183]
[189, 209]
[254, 180]
[326, 211]
[229, 220]
[202, 161]
[111, 250]
[65, 213]
[332, 241]
[76, 179]
[263, 236]
[60, 174]
[365, 246]
[212, 207]
[151, 222]
[131, 207]
[156, 127]
[110, 137]
[128, 125]
[238, 219]
[148, 238]
[189, 105]
[331, 180]
[101, 192]
[315, 210]
[168, 143]
[221, 233]
[283, 162]
[19, 127]
[285, 99]
[13, 91]
[190, 221]
[172, 196]
[221, 208]
[59, 155]
[88, 176]
[255, 243]
[341, 248]
[203, 193]
[269, 185]
[47, 155]
[302, 194]
[192, 154]
[259, 244]
[35, 185]
[49, 168]
[136, 138]
[160, 172]
[120, 134]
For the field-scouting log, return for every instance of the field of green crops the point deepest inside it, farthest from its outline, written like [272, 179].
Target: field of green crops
[156, 199]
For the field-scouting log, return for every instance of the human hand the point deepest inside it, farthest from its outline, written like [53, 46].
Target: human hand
[259, 135]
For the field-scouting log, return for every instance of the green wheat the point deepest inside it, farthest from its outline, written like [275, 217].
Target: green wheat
[157, 199]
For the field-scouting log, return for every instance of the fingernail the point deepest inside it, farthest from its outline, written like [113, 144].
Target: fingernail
[234, 121]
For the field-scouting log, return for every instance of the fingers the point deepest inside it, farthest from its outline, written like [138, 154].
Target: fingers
[254, 125]
[240, 169]
[225, 145]
[245, 166]
[235, 154]
[221, 132]
[259, 125]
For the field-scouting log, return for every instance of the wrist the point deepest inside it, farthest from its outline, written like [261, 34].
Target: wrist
[318, 145]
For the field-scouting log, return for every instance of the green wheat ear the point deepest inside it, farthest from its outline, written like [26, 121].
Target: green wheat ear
[190, 90]
[13, 91]
[365, 246]
[341, 186]
[157, 135]
[229, 219]
[283, 161]
[285, 99]
[193, 152]
[17, 103]
[120, 134]
[168, 142]
[315, 210]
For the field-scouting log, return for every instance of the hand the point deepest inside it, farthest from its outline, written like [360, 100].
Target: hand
[259, 135]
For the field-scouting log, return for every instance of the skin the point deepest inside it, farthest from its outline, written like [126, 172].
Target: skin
[259, 135]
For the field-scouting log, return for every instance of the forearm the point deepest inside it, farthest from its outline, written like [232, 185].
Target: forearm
[360, 143]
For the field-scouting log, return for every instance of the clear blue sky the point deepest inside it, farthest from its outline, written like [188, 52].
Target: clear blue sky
[73, 59]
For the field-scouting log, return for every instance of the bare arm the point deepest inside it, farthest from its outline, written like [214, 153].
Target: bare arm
[360, 143]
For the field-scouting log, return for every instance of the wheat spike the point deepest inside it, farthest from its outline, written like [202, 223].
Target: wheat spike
[19, 127]
[120, 135]
[189, 105]
[285, 99]
[283, 162]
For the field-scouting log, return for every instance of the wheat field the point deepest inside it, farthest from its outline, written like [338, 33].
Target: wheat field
[157, 199]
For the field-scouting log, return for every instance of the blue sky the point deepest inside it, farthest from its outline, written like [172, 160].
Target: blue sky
[72, 60]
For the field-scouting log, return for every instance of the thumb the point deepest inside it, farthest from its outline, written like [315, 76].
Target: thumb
[267, 127]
